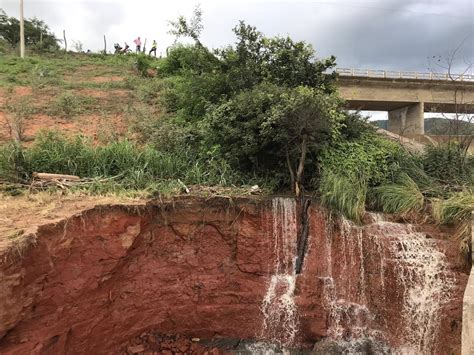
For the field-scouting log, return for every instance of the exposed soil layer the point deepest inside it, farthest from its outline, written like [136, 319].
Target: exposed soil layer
[113, 278]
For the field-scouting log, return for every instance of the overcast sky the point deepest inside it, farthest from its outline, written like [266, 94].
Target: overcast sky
[379, 34]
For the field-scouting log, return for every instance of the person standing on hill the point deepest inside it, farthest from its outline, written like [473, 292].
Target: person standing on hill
[138, 43]
[153, 48]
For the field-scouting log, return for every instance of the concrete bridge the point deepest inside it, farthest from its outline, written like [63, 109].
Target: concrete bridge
[406, 95]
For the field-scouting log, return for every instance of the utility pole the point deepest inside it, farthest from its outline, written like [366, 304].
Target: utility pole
[22, 32]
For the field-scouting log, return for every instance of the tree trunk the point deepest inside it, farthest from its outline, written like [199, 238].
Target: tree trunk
[292, 174]
[300, 171]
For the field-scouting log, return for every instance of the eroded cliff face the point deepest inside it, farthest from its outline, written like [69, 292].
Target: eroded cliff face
[203, 268]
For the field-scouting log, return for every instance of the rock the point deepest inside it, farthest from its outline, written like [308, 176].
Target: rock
[136, 349]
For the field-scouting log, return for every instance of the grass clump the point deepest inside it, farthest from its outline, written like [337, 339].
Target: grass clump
[401, 197]
[457, 210]
[343, 194]
[352, 168]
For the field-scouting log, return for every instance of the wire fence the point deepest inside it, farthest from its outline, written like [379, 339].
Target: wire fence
[393, 74]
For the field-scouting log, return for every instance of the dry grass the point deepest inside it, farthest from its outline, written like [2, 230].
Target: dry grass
[21, 215]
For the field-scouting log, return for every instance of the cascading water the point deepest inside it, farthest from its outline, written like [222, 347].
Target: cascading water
[350, 316]
[280, 319]
[420, 277]
[426, 288]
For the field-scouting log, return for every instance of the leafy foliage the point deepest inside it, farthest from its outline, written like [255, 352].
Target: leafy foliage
[351, 169]
[266, 129]
[447, 164]
[37, 33]
[188, 28]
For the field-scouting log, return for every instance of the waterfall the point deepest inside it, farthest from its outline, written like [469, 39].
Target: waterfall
[350, 316]
[423, 274]
[280, 319]
[420, 285]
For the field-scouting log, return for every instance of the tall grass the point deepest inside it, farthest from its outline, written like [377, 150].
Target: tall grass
[454, 209]
[401, 197]
[457, 210]
[129, 165]
[344, 194]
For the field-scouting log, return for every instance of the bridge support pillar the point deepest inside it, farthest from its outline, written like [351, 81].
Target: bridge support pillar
[407, 120]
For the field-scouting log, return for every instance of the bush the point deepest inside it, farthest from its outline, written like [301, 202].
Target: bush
[371, 158]
[143, 63]
[457, 209]
[351, 169]
[448, 164]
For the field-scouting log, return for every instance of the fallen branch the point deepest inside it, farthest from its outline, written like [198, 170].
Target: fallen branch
[55, 177]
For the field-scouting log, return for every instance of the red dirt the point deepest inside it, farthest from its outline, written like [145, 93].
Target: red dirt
[195, 268]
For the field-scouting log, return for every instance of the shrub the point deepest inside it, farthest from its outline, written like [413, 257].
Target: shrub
[447, 164]
[372, 158]
[143, 63]
[351, 169]
[18, 111]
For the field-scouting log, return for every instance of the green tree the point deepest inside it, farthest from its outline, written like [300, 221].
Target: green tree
[37, 33]
[192, 27]
[272, 129]
[279, 60]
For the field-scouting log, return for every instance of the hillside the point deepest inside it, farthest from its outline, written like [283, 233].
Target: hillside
[97, 96]
[437, 126]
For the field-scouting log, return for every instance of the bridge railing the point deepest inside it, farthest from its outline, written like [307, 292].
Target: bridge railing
[393, 74]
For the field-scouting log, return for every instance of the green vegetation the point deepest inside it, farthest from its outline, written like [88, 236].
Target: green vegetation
[448, 164]
[67, 105]
[37, 34]
[402, 197]
[343, 194]
[120, 165]
[262, 111]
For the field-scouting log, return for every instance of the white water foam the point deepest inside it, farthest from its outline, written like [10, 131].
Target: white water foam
[349, 313]
[422, 275]
[280, 318]
[427, 287]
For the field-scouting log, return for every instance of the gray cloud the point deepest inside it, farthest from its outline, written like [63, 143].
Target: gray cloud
[389, 34]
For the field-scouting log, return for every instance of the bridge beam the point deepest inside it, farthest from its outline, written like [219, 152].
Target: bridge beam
[407, 120]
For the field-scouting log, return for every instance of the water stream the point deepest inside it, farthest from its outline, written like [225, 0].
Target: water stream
[422, 280]
[280, 318]
[366, 269]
